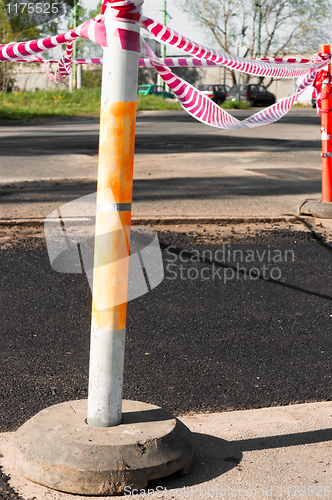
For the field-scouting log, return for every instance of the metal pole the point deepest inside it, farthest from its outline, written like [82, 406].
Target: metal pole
[74, 69]
[113, 218]
[164, 46]
[326, 132]
[79, 76]
[259, 30]
[165, 21]
[239, 80]
[243, 33]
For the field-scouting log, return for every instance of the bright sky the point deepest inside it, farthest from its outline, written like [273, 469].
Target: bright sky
[180, 21]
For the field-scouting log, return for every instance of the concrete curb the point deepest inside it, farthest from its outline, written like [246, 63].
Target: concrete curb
[180, 220]
[316, 208]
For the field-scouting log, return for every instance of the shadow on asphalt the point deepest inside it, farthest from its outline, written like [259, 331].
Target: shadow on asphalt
[290, 182]
[218, 142]
[59, 192]
[290, 118]
[214, 188]
[184, 254]
[45, 144]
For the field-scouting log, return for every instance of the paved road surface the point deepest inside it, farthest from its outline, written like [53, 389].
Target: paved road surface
[211, 342]
[182, 167]
[210, 337]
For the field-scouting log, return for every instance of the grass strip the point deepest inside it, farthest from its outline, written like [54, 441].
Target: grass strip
[235, 105]
[50, 103]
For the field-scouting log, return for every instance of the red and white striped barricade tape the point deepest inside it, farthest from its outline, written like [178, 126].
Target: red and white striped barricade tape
[253, 67]
[93, 29]
[203, 109]
[191, 62]
[63, 69]
[171, 62]
[194, 102]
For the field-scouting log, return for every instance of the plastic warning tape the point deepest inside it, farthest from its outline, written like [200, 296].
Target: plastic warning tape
[206, 111]
[250, 66]
[93, 29]
[63, 68]
[191, 62]
[194, 102]
[171, 62]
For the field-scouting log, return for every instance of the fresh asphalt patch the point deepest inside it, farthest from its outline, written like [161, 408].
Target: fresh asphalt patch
[237, 323]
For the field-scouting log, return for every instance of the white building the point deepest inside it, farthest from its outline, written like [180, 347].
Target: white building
[32, 76]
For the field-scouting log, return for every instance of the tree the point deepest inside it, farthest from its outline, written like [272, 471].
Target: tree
[287, 26]
[191, 75]
[7, 35]
[85, 48]
[92, 49]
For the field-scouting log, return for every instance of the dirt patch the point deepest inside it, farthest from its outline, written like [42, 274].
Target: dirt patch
[13, 236]
[197, 234]
[242, 233]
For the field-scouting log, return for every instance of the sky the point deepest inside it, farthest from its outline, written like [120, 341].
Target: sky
[180, 21]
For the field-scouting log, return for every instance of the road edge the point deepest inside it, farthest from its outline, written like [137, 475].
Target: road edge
[180, 220]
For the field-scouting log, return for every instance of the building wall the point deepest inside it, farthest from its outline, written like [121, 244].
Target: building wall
[32, 76]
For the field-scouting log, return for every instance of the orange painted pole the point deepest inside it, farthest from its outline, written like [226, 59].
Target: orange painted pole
[113, 214]
[326, 132]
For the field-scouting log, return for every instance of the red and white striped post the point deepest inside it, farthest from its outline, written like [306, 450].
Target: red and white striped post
[113, 214]
[326, 130]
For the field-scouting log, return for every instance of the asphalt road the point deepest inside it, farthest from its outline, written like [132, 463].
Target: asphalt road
[182, 167]
[300, 128]
[221, 341]
[209, 343]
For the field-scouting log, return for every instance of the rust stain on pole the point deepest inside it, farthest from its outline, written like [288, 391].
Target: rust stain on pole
[115, 182]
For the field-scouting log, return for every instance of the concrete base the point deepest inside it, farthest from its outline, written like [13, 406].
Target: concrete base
[316, 208]
[58, 449]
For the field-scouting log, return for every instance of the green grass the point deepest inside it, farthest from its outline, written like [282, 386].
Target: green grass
[45, 104]
[235, 105]
[302, 105]
[154, 102]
